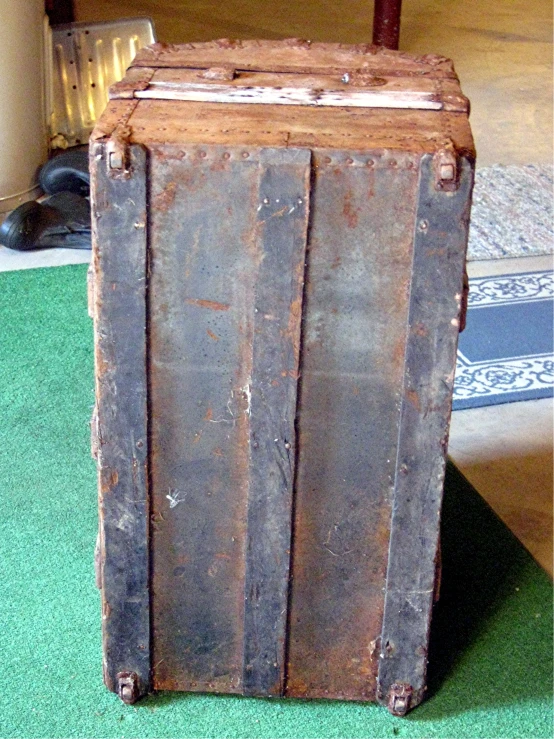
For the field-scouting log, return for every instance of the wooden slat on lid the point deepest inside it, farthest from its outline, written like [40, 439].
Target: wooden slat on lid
[263, 88]
[294, 55]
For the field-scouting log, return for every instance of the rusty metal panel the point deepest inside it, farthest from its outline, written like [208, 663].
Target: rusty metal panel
[282, 231]
[440, 239]
[119, 305]
[354, 336]
[227, 237]
[202, 246]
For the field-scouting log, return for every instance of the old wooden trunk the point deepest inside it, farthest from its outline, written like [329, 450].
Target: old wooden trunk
[279, 243]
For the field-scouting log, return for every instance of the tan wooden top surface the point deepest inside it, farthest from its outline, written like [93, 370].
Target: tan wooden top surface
[293, 55]
[415, 103]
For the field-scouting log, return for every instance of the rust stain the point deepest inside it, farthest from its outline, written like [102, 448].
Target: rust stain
[336, 263]
[374, 647]
[439, 252]
[349, 211]
[280, 212]
[212, 335]
[210, 304]
[109, 480]
[371, 184]
[217, 452]
[164, 200]
[420, 330]
[209, 414]
[413, 398]
[399, 350]
[103, 365]
[295, 315]
[297, 688]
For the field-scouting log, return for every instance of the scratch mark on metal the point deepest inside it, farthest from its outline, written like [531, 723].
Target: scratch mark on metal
[210, 304]
[174, 499]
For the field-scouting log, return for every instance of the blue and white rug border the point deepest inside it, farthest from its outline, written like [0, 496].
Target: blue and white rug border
[511, 289]
[511, 378]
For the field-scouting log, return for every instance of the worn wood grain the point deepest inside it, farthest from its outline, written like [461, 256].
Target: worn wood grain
[269, 88]
[283, 207]
[440, 239]
[119, 240]
[352, 129]
[293, 55]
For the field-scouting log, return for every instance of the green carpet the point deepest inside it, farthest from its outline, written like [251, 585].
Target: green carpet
[491, 663]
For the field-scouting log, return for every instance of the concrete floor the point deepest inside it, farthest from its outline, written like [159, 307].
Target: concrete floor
[503, 55]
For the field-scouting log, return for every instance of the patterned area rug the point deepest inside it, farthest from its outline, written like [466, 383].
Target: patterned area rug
[506, 352]
[512, 214]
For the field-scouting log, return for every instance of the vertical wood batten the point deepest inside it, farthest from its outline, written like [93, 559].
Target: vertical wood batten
[282, 232]
[119, 258]
[441, 229]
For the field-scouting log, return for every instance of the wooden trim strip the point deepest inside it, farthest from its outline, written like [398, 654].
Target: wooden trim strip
[119, 236]
[282, 227]
[440, 240]
[211, 93]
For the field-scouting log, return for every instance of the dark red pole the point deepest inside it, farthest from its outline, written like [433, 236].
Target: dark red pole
[60, 11]
[386, 23]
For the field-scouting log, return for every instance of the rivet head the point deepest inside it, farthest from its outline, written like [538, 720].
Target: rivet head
[447, 172]
[126, 693]
[400, 698]
[128, 687]
[116, 160]
[202, 154]
[423, 225]
[245, 155]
